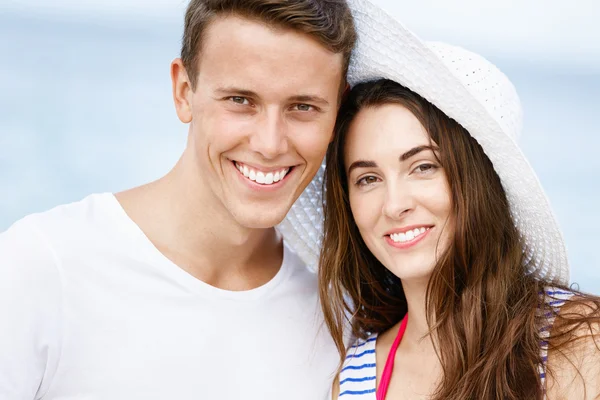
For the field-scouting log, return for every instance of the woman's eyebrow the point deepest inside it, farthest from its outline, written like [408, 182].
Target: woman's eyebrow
[416, 150]
[362, 164]
[372, 164]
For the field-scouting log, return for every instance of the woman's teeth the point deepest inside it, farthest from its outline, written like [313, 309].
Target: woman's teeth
[409, 235]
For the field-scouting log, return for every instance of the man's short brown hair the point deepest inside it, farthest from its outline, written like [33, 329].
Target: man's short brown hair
[328, 21]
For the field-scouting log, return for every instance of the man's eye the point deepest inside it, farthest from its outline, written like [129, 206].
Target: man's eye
[304, 107]
[239, 100]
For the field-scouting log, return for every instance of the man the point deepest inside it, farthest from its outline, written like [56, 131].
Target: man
[182, 288]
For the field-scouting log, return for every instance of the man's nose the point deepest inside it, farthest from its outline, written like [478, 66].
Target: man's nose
[270, 138]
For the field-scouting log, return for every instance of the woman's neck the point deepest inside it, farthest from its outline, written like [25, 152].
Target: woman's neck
[417, 329]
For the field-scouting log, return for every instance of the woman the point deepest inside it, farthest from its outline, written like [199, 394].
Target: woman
[422, 227]
[439, 245]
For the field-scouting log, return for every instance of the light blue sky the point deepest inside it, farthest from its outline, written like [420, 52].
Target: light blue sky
[86, 104]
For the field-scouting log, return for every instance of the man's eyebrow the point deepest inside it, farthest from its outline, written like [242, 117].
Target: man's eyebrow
[362, 164]
[238, 91]
[235, 91]
[307, 98]
[416, 150]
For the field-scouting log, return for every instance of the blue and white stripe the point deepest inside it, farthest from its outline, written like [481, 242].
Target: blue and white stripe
[555, 298]
[359, 373]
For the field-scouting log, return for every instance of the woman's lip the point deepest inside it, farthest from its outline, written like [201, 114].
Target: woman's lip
[409, 243]
[405, 229]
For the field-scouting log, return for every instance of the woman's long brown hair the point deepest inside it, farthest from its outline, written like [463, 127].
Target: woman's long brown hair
[485, 309]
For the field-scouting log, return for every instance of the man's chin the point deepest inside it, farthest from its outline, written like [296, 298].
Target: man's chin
[260, 219]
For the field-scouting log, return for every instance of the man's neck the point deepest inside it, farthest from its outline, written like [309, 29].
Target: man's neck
[182, 220]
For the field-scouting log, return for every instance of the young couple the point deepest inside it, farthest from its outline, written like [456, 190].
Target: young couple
[442, 272]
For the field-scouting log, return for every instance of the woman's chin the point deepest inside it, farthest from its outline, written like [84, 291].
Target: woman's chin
[412, 272]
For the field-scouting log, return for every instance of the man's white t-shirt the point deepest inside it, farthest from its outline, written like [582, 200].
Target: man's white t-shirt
[90, 309]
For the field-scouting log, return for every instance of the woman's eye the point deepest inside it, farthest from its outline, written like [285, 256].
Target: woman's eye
[366, 181]
[425, 168]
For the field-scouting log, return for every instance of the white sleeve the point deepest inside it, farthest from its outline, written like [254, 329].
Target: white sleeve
[30, 313]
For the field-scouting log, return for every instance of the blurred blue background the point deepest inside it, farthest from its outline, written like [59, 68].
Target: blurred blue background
[85, 98]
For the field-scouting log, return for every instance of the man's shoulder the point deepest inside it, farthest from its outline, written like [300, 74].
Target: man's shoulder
[61, 223]
[83, 211]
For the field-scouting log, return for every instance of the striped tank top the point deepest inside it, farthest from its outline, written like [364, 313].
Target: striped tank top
[358, 377]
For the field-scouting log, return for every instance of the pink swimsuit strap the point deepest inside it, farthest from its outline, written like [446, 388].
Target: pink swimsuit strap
[389, 364]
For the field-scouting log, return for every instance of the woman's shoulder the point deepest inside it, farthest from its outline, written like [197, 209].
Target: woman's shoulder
[574, 348]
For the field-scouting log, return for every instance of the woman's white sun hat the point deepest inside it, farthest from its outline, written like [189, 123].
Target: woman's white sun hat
[472, 91]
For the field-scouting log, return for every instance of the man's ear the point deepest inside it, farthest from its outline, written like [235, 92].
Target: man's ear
[182, 91]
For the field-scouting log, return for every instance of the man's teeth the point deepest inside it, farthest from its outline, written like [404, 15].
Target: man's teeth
[261, 177]
[408, 236]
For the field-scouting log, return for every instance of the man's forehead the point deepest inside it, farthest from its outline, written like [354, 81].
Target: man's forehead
[269, 64]
[244, 41]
